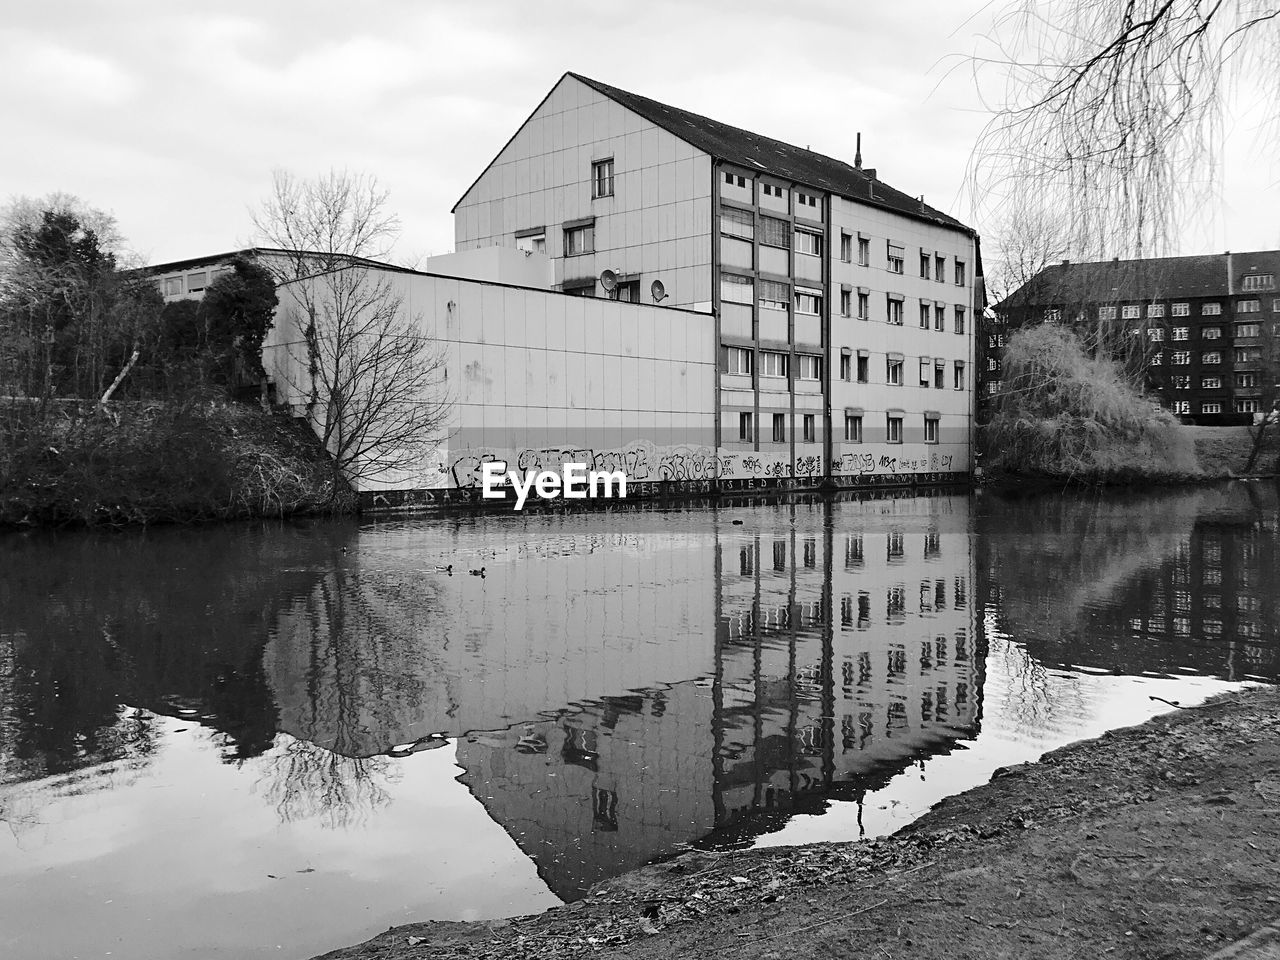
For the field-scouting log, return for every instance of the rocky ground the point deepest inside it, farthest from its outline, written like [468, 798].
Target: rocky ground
[1158, 841]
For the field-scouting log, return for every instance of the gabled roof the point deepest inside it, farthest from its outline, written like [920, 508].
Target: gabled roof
[783, 160]
[1160, 278]
[753, 151]
[251, 252]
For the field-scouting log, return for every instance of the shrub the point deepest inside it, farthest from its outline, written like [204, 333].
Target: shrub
[1063, 414]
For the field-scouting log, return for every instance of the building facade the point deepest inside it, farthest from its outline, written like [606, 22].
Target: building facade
[844, 308]
[1208, 325]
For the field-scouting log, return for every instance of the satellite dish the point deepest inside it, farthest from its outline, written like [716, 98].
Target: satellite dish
[609, 280]
[658, 291]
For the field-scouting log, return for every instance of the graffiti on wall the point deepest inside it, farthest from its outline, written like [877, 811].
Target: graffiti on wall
[642, 461]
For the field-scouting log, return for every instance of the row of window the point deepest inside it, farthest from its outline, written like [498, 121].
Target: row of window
[1245, 380]
[1239, 406]
[1183, 357]
[1242, 330]
[1133, 311]
[189, 283]
[852, 428]
[775, 365]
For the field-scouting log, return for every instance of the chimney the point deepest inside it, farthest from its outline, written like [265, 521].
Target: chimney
[857, 152]
[870, 172]
[1066, 263]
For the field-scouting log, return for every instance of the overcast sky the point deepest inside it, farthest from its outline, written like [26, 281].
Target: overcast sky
[172, 115]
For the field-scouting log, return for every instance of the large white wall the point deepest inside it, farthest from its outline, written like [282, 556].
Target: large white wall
[657, 224]
[538, 378]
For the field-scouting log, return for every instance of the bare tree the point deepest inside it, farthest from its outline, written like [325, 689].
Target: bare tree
[1111, 111]
[1266, 378]
[375, 381]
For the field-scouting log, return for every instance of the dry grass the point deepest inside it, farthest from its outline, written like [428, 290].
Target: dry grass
[1066, 415]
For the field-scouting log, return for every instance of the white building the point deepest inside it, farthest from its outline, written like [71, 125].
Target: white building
[844, 308]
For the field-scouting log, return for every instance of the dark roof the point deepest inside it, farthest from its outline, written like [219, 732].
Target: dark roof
[783, 160]
[196, 262]
[1162, 278]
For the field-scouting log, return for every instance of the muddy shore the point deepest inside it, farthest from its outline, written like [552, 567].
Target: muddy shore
[1156, 841]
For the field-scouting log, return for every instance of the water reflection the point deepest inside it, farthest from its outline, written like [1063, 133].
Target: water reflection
[616, 687]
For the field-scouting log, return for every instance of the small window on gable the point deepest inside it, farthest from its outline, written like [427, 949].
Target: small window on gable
[602, 178]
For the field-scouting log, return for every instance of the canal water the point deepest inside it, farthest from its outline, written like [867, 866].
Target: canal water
[273, 740]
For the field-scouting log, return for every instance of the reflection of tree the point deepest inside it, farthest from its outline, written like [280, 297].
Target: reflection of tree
[304, 781]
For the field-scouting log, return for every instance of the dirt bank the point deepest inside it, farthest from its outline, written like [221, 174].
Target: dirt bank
[1158, 841]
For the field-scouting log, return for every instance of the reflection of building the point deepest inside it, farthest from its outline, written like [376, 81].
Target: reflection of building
[839, 659]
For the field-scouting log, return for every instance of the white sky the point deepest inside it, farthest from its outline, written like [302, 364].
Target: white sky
[172, 114]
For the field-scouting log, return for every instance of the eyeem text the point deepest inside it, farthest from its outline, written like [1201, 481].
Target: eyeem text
[574, 483]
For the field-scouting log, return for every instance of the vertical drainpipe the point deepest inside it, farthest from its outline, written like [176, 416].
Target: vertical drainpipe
[828, 325]
[791, 331]
[717, 439]
[971, 335]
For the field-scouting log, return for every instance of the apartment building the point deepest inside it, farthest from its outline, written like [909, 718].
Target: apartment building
[844, 308]
[1208, 323]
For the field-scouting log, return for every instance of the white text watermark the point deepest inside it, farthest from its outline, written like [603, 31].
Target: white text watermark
[575, 482]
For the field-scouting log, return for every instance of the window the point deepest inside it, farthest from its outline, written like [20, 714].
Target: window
[738, 361]
[774, 295]
[806, 199]
[846, 247]
[1211, 310]
[1211, 357]
[895, 257]
[809, 243]
[939, 374]
[197, 281]
[1248, 306]
[737, 223]
[779, 428]
[774, 365]
[1248, 354]
[1052, 315]
[734, 180]
[925, 260]
[809, 367]
[895, 311]
[580, 288]
[1206, 383]
[864, 306]
[893, 371]
[930, 429]
[960, 273]
[1246, 406]
[172, 286]
[1210, 333]
[1106, 313]
[925, 311]
[1180, 310]
[1155, 310]
[1247, 380]
[1275, 306]
[1181, 333]
[959, 315]
[1180, 382]
[846, 303]
[602, 178]
[770, 190]
[735, 289]
[809, 303]
[746, 427]
[810, 428]
[864, 368]
[864, 252]
[939, 317]
[1182, 406]
[1180, 357]
[1155, 334]
[1259, 281]
[853, 427]
[627, 291]
[1210, 408]
[532, 242]
[959, 375]
[940, 268]
[1246, 330]
[846, 367]
[775, 232]
[1130, 311]
[926, 367]
[579, 240]
[894, 428]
